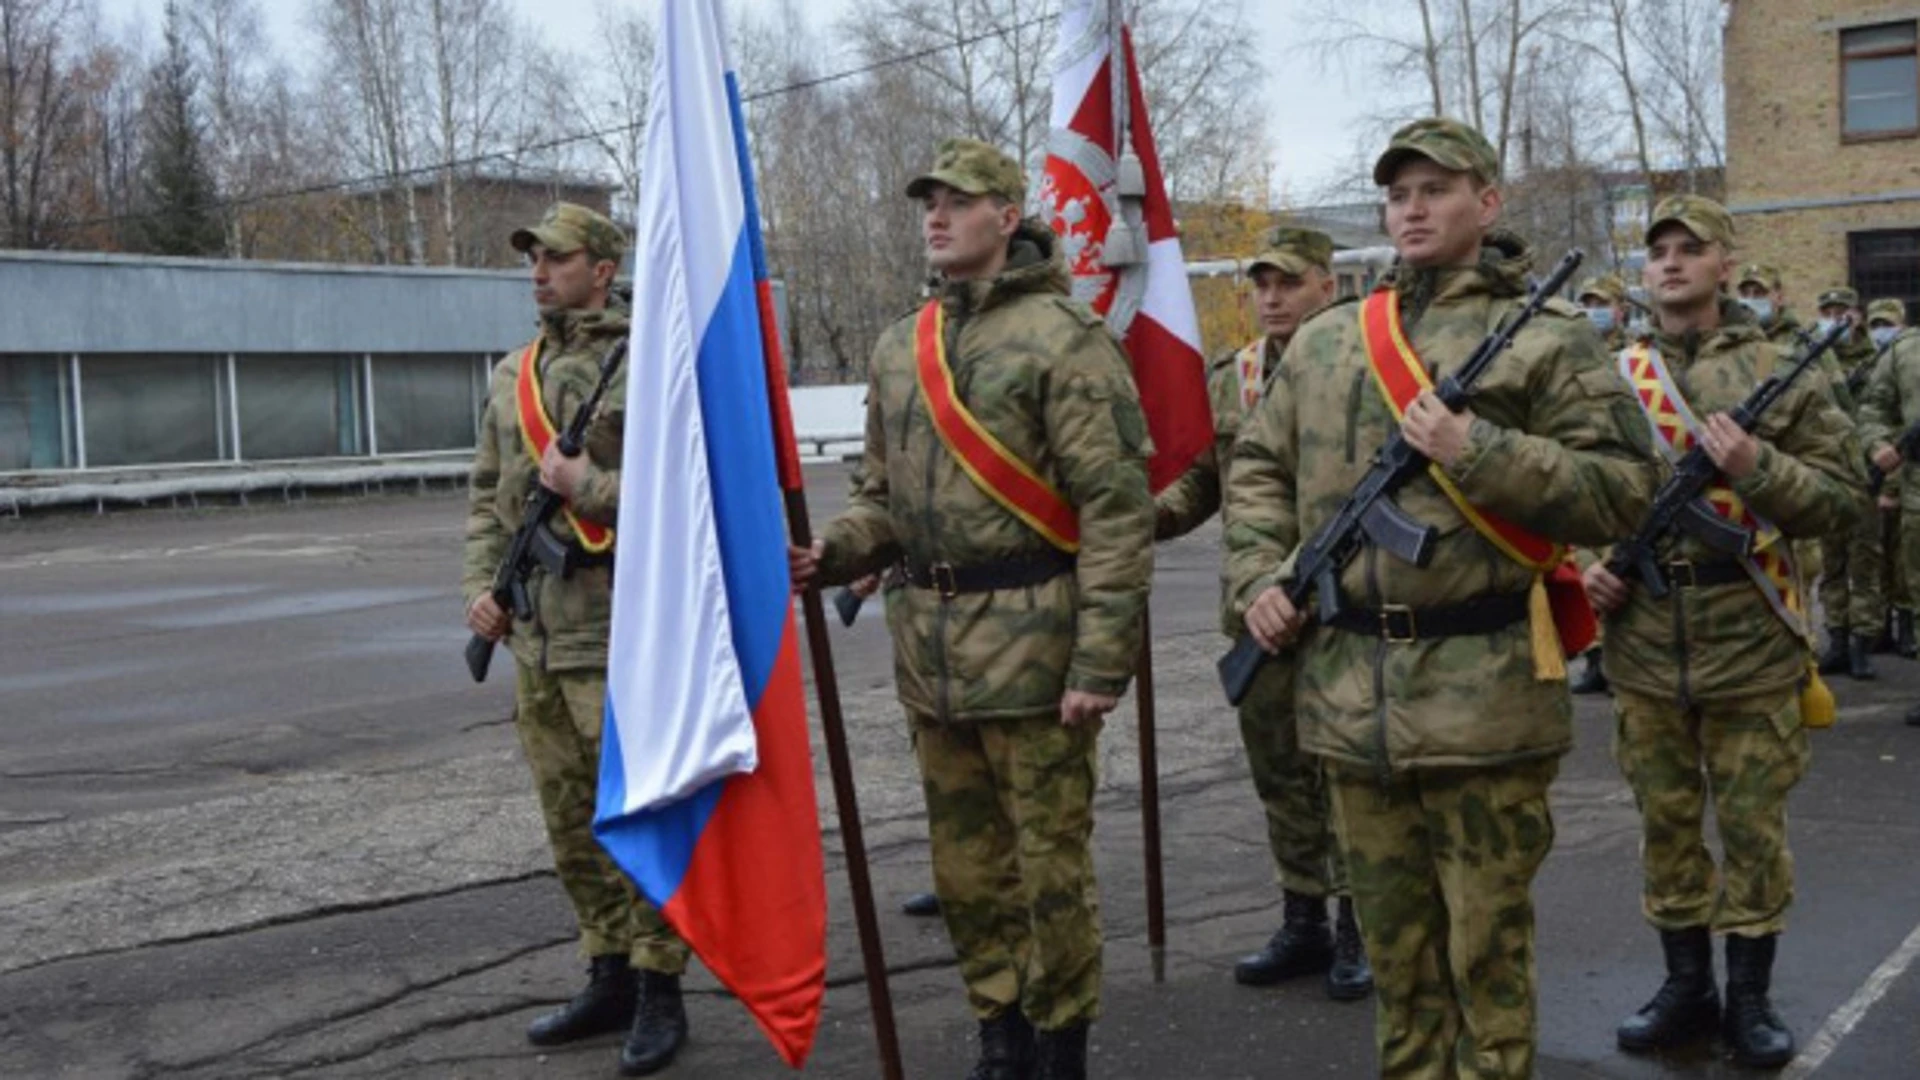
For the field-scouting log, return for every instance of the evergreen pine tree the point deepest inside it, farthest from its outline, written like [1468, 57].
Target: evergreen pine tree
[176, 182]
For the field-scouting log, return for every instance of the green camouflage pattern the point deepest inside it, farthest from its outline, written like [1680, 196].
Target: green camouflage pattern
[1294, 251]
[1050, 381]
[1889, 406]
[1784, 329]
[1765, 275]
[558, 720]
[1887, 310]
[1010, 817]
[1724, 642]
[1450, 144]
[1745, 753]
[1839, 294]
[1455, 978]
[1853, 564]
[1558, 448]
[568, 631]
[567, 227]
[974, 167]
[1705, 219]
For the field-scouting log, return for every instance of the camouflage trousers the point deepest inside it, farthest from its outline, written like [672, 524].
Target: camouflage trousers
[1746, 755]
[1306, 857]
[558, 716]
[1442, 863]
[1903, 558]
[1850, 579]
[1010, 815]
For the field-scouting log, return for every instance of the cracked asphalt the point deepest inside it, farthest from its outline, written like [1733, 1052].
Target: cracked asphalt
[255, 821]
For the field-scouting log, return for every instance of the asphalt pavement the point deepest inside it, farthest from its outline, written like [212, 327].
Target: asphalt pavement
[256, 821]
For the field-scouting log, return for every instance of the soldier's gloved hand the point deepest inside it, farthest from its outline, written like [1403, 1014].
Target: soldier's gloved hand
[1886, 457]
[1081, 706]
[485, 618]
[1272, 620]
[1435, 430]
[803, 563]
[1605, 591]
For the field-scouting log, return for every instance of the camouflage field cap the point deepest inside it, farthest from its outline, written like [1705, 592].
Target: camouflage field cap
[1449, 144]
[1294, 251]
[1761, 274]
[1607, 287]
[1839, 295]
[974, 167]
[1705, 219]
[1887, 310]
[567, 227]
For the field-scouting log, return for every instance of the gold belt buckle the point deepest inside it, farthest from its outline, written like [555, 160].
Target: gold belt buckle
[1388, 613]
[943, 580]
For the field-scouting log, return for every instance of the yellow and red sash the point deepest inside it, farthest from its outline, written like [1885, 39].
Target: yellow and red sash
[1558, 607]
[1250, 364]
[537, 432]
[995, 469]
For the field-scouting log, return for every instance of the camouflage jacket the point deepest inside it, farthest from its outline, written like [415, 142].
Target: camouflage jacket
[1046, 377]
[1890, 405]
[1557, 447]
[568, 631]
[1784, 328]
[1715, 643]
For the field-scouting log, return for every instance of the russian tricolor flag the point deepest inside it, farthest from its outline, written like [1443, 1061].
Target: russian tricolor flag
[706, 780]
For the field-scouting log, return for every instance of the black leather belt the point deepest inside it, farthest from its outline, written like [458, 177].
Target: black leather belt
[1399, 623]
[1014, 573]
[1692, 575]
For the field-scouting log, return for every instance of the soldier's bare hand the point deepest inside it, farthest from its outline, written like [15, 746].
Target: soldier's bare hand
[1080, 706]
[1604, 590]
[561, 474]
[803, 564]
[1735, 452]
[1435, 430]
[1887, 502]
[485, 618]
[1272, 620]
[865, 587]
[1886, 457]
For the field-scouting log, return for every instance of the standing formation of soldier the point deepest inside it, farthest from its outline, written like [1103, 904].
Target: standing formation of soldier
[1004, 488]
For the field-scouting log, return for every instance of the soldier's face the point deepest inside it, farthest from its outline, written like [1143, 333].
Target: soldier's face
[568, 282]
[1285, 300]
[1753, 290]
[966, 235]
[1437, 217]
[1684, 272]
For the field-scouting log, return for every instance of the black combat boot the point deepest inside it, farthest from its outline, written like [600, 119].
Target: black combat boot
[1834, 660]
[1006, 1047]
[1592, 680]
[1351, 977]
[1860, 657]
[1750, 1027]
[1062, 1055]
[1302, 946]
[659, 1026]
[605, 1005]
[1687, 1005]
[920, 905]
[1903, 644]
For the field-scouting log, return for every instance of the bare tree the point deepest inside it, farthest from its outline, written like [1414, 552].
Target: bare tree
[38, 105]
[366, 43]
[1681, 40]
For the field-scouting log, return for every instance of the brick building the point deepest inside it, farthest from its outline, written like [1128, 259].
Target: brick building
[1823, 142]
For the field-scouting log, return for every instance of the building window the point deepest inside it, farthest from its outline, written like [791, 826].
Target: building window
[1880, 81]
[1886, 263]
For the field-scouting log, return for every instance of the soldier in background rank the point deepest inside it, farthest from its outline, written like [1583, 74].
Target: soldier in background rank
[1889, 408]
[1027, 560]
[1605, 300]
[1850, 585]
[1292, 279]
[1759, 291]
[1887, 321]
[1708, 681]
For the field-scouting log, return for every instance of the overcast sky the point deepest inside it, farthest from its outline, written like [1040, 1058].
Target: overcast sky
[1312, 116]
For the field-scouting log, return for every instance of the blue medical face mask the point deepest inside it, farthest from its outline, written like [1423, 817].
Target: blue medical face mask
[1825, 326]
[1761, 307]
[1883, 334]
[1602, 318]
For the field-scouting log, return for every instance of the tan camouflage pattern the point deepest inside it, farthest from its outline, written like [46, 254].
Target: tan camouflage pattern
[1293, 250]
[1785, 328]
[1558, 448]
[567, 227]
[1839, 294]
[1450, 144]
[1724, 642]
[1456, 978]
[573, 617]
[1705, 219]
[1010, 817]
[1887, 310]
[1747, 754]
[1765, 275]
[1049, 380]
[1853, 561]
[558, 720]
[974, 167]
[1889, 406]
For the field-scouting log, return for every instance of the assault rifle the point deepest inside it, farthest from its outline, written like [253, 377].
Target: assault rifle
[534, 544]
[1678, 503]
[1857, 378]
[1369, 514]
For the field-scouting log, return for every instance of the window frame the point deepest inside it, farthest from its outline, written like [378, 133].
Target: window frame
[1910, 49]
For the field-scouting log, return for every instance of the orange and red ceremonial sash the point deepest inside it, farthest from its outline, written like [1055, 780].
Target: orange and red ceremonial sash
[1559, 604]
[1002, 476]
[537, 432]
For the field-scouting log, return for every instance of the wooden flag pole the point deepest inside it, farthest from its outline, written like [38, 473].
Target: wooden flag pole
[1150, 805]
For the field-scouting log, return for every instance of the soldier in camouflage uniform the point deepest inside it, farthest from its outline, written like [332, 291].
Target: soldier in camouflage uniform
[560, 654]
[1886, 322]
[1891, 405]
[1604, 299]
[1009, 649]
[1759, 291]
[1707, 682]
[1850, 592]
[1292, 278]
[1440, 731]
